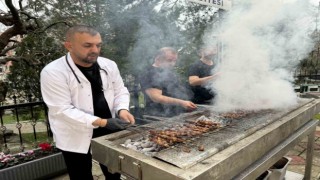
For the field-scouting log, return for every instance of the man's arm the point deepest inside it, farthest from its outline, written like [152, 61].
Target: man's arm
[156, 96]
[196, 81]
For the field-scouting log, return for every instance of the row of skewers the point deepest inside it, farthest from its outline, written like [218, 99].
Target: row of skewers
[181, 133]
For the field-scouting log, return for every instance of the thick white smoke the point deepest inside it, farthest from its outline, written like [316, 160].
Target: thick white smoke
[262, 42]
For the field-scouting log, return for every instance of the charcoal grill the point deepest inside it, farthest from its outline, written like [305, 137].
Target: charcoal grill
[243, 150]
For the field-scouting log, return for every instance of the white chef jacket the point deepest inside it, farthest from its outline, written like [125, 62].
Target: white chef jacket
[70, 103]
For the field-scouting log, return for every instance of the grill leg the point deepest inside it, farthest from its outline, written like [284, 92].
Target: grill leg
[310, 146]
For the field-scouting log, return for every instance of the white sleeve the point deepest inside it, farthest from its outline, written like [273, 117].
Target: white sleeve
[122, 95]
[57, 96]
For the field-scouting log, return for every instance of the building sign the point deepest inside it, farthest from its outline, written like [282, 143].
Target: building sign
[221, 4]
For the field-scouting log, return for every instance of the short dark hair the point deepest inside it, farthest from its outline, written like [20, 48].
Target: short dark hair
[162, 53]
[80, 29]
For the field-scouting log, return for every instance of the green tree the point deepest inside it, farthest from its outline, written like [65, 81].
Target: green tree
[131, 30]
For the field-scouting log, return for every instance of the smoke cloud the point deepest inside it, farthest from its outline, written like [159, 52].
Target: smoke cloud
[263, 42]
[155, 31]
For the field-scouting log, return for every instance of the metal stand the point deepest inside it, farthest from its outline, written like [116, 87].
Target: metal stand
[308, 168]
[281, 149]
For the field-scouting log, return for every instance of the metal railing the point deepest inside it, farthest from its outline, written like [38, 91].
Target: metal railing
[32, 118]
[25, 118]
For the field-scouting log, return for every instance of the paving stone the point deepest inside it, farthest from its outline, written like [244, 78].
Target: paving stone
[316, 172]
[304, 140]
[301, 148]
[315, 159]
[296, 168]
[300, 169]
[318, 141]
[297, 160]
[293, 176]
[294, 152]
[96, 170]
[318, 177]
[316, 145]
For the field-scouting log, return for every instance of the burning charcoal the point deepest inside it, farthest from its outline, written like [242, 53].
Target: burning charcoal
[203, 118]
[128, 141]
[154, 145]
[130, 146]
[157, 149]
[137, 143]
[146, 144]
[148, 149]
[201, 148]
[123, 145]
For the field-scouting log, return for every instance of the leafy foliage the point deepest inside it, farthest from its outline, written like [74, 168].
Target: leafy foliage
[37, 50]
[131, 30]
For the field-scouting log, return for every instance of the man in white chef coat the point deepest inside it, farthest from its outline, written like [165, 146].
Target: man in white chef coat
[84, 92]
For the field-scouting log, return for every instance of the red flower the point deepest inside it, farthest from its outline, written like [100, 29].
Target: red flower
[45, 146]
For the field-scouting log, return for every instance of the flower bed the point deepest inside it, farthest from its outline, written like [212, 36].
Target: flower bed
[8, 160]
[42, 163]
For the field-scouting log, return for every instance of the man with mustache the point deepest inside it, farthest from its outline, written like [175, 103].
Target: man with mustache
[84, 92]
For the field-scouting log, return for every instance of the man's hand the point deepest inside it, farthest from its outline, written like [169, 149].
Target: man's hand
[114, 124]
[126, 116]
[188, 105]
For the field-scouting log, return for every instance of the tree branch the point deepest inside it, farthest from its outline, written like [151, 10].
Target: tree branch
[53, 24]
[31, 17]
[6, 19]
[20, 5]
[15, 41]
[15, 59]
[4, 51]
[14, 12]
[6, 36]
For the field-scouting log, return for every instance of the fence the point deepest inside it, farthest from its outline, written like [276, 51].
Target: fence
[21, 123]
[307, 76]
[23, 118]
